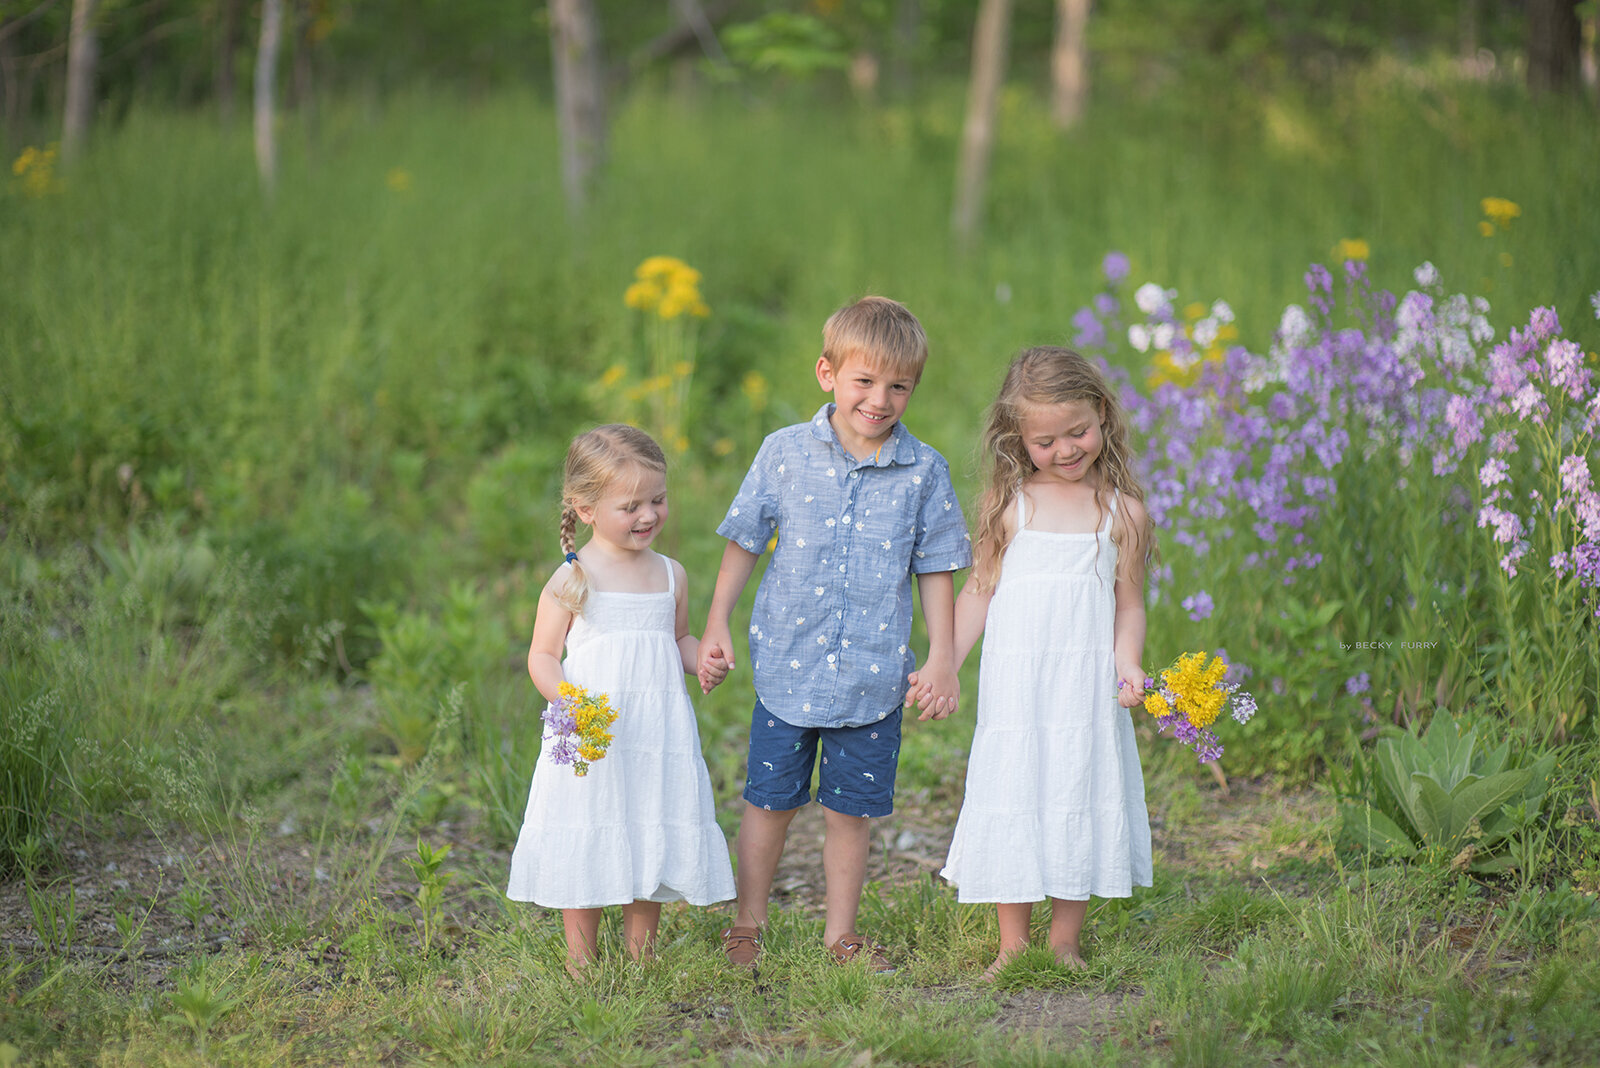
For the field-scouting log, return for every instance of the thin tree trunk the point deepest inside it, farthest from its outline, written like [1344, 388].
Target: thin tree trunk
[580, 96]
[977, 137]
[1069, 62]
[266, 77]
[903, 46]
[83, 52]
[1554, 37]
[303, 73]
[227, 43]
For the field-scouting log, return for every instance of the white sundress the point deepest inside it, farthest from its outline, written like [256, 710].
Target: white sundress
[1054, 803]
[640, 826]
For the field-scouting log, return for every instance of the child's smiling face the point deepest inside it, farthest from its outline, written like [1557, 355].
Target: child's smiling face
[631, 511]
[869, 402]
[1063, 440]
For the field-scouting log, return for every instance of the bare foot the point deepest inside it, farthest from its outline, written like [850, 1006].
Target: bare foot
[992, 972]
[1068, 957]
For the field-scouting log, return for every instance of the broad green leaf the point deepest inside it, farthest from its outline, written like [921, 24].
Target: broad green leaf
[1430, 810]
[1477, 799]
[1372, 830]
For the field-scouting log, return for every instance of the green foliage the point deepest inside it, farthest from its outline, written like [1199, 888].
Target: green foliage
[1457, 800]
[200, 1003]
[431, 882]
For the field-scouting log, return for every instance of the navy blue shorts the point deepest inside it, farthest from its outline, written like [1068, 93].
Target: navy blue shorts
[857, 770]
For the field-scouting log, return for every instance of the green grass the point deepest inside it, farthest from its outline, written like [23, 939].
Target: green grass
[276, 480]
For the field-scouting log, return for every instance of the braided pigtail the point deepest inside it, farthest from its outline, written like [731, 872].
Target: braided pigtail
[576, 591]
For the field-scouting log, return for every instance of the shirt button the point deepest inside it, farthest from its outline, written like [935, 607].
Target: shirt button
[847, 519]
[841, 567]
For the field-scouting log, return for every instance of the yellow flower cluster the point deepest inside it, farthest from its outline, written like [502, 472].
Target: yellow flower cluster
[1351, 248]
[1196, 687]
[668, 287]
[1210, 336]
[36, 171]
[591, 716]
[1499, 212]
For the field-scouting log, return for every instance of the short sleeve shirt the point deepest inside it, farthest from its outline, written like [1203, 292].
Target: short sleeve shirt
[830, 631]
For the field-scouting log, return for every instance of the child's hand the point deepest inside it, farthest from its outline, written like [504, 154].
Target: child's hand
[711, 672]
[716, 659]
[1130, 685]
[936, 690]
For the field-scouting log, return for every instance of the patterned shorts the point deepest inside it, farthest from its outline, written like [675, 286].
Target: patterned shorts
[856, 774]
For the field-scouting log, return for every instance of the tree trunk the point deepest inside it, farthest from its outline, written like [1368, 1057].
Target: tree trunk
[83, 52]
[303, 73]
[223, 87]
[580, 96]
[977, 136]
[266, 78]
[1554, 36]
[903, 46]
[1069, 62]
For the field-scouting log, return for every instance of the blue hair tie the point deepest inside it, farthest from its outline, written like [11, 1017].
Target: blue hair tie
[572, 558]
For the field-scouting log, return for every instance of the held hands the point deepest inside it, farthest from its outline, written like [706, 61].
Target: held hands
[935, 689]
[1130, 685]
[716, 659]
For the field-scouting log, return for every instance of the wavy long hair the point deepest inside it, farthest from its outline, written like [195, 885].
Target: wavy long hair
[595, 460]
[1039, 377]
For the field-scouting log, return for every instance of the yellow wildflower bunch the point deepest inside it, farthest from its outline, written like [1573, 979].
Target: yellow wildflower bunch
[579, 723]
[666, 286]
[36, 171]
[1190, 695]
[1499, 212]
[667, 290]
[1351, 248]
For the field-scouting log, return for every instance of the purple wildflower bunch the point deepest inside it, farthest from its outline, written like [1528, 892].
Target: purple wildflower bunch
[1379, 431]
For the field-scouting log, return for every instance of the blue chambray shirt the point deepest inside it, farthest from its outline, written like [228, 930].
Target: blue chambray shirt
[831, 629]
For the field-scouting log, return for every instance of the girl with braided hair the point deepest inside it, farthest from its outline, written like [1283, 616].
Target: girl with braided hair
[636, 828]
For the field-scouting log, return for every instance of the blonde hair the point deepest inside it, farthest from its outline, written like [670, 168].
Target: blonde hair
[595, 460]
[881, 332]
[1038, 377]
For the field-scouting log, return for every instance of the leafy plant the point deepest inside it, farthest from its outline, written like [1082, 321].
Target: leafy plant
[430, 888]
[200, 1004]
[1456, 799]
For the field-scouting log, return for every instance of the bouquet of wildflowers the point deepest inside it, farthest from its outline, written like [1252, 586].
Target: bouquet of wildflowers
[1191, 695]
[579, 722]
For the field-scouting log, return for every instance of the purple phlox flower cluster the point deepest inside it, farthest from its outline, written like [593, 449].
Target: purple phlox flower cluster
[1199, 605]
[1236, 673]
[1242, 706]
[1594, 302]
[1358, 684]
[1583, 562]
[1114, 267]
[561, 731]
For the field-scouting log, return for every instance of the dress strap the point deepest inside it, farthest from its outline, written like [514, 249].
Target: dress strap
[1112, 514]
[1022, 509]
[671, 577]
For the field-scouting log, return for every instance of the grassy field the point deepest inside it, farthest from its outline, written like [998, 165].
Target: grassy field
[278, 489]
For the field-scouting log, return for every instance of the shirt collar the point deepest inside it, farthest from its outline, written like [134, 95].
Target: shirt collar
[901, 447]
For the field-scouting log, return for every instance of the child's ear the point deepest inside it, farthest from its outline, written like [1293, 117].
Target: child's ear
[585, 513]
[825, 377]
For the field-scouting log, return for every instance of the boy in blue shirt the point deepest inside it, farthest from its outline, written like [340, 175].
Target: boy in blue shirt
[859, 506]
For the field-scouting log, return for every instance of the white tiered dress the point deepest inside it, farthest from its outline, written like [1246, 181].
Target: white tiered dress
[640, 826]
[1054, 803]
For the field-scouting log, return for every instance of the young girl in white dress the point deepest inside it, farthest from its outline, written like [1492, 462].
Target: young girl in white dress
[639, 828]
[1054, 804]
